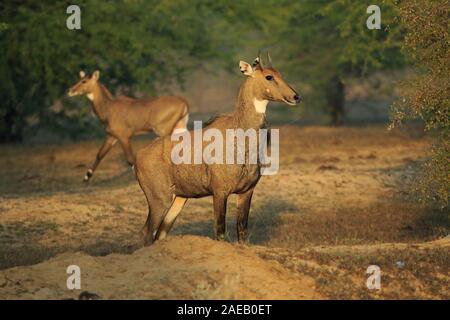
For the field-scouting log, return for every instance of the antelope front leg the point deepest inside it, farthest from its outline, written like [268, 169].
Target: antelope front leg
[243, 208]
[104, 149]
[126, 146]
[220, 211]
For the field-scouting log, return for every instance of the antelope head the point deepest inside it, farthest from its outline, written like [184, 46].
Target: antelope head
[268, 85]
[85, 86]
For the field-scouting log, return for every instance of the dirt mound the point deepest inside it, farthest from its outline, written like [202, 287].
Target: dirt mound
[338, 205]
[181, 267]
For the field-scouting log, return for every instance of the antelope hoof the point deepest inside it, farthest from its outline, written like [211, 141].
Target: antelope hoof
[243, 241]
[242, 238]
[160, 235]
[220, 237]
[147, 238]
[88, 175]
[148, 241]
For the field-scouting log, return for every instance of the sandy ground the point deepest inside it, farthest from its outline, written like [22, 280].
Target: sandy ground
[337, 187]
[164, 271]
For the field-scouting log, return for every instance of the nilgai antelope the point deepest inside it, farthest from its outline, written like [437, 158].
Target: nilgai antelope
[167, 186]
[124, 117]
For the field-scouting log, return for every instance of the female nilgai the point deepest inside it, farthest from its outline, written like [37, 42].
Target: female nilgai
[167, 186]
[124, 117]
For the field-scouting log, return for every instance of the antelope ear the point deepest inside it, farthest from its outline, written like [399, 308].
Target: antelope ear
[96, 75]
[257, 64]
[82, 74]
[245, 68]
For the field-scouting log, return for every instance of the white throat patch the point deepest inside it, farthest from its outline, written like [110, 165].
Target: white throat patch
[260, 105]
[90, 96]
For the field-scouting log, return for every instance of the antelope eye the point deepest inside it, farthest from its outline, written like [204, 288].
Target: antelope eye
[84, 81]
[270, 78]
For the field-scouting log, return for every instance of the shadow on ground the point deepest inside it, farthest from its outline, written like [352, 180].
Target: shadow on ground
[19, 244]
[262, 218]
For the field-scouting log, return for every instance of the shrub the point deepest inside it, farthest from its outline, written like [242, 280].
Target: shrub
[426, 95]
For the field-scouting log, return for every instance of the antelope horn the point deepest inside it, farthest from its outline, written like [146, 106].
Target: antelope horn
[258, 61]
[269, 59]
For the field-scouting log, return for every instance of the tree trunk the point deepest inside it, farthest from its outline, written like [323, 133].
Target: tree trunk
[335, 95]
[11, 131]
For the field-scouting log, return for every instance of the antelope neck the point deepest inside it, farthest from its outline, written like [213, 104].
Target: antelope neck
[100, 98]
[249, 111]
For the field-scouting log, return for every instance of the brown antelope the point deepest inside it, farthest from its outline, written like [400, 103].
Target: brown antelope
[167, 186]
[124, 117]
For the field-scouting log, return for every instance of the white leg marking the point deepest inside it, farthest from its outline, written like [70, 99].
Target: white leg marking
[162, 235]
[170, 217]
[179, 130]
[88, 175]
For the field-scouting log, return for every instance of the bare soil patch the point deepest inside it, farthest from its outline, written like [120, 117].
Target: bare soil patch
[336, 188]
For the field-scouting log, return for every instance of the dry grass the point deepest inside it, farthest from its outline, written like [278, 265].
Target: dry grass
[388, 221]
[337, 188]
[408, 271]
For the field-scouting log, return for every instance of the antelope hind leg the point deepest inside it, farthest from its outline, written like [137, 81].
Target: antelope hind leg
[157, 209]
[126, 146]
[147, 230]
[181, 125]
[170, 217]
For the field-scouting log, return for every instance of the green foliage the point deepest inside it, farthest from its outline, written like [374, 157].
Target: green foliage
[333, 35]
[328, 41]
[427, 94]
[140, 45]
